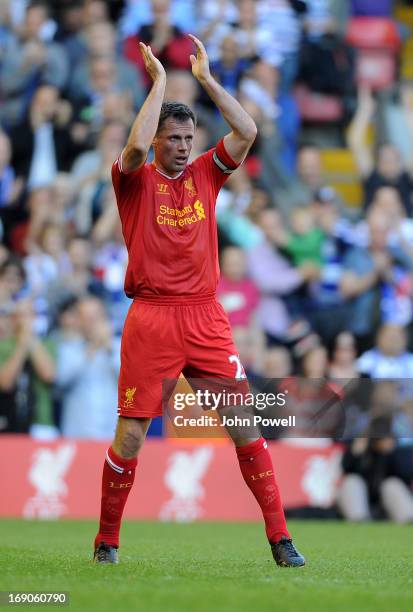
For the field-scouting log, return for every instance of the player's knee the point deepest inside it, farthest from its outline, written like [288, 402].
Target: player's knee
[397, 500]
[391, 486]
[130, 436]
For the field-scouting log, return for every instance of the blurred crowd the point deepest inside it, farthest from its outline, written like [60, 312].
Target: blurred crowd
[311, 285]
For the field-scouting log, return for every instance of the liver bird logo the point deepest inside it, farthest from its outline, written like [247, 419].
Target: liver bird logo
[199, 210]
[129, 396]
[190, 187]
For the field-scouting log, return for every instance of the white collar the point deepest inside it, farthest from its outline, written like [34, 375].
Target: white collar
[172, 178]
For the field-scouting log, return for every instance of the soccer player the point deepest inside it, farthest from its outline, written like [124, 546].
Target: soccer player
[175, 324]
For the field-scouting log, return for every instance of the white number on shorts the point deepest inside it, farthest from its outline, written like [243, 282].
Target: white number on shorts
[239, 374]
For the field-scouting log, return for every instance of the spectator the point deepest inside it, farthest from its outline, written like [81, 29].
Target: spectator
[309, 169]
[215, 22]
[317, 404]
[277, 366]
[38, 208]
[250, 342]
[45, 264]
[77, 279]
[88, 165]
[315, 363]
[277, 363]
[309, 180]
[12, 280]
[69, 32]
[305, 241]
[240, 188]
[237, 293]
[389, 358]
[387, 202]
[41, 142]
[95, 11]
[378, 477]
[284, 27]
[101, 78]
[260, 86]
[327, 62]
[4, 254]
[87, 371]
[167, 41]
[27, 370]
[343, 365]
[318, 19]
[6, 27]
[372, 8]
[139, 12]
[102, 71]
[63, 191]
[230, 67]
[252, 40]
[274, 276]
[181, 86]
[278, 114]
[109, 266]
[48, 261]
[388, 171]
[10, 187]
[377, 283]
[326, 307]
[66, 321]
[30, 59]
[238, 208]
[74, 23]
[96, 195]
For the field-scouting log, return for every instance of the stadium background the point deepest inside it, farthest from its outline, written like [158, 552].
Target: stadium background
[315, 231]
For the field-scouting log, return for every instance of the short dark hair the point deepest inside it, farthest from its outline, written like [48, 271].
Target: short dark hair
[13, 261]
[42, 4]
[177, 110]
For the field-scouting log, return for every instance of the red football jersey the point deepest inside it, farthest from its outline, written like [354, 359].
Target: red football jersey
[169, 225]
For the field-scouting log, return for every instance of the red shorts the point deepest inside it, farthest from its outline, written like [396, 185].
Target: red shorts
[163, 337]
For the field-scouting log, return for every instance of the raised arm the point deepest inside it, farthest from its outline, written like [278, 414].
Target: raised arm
[238, 142]
[357, 132]
[407, 102]
[144, 128]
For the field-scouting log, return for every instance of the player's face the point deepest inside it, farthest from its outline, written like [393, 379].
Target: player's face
[173, 144]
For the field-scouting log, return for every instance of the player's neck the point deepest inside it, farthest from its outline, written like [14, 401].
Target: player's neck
[166, 174]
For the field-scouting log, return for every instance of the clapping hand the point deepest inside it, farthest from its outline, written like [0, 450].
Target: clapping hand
[200, 63]
[153, 66]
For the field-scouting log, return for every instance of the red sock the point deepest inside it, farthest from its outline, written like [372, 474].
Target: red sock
[117, 480]
[256, 467]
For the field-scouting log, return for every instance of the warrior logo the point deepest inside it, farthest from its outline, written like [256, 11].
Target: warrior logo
[162, 188]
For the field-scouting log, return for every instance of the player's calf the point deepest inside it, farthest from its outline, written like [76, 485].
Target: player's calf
[258, 472]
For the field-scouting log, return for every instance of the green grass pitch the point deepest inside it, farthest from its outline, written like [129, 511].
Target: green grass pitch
[211, 567]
